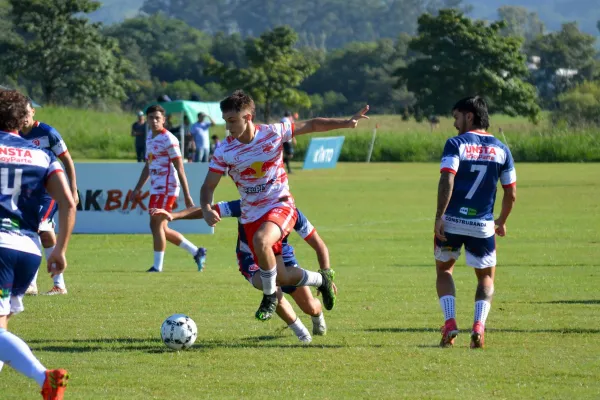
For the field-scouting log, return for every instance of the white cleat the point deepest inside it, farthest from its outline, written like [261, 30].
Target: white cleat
[32, 290]
[320, 328]
[305, 339]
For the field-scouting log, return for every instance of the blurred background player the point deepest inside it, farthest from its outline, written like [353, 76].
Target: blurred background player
[138, 131]
[288, 147]
[472, 164]
[164, 166]
[248, 268]
[28, 177]
[253, 156]
[200, 133]
[48, 138]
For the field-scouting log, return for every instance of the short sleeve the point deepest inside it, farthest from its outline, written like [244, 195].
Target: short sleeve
[173, 147]
[53, 166]
[230, 209]
[508, 174]
[450, 157]
[57, 144]
[285, 130]
[303, 226]
[217, 162]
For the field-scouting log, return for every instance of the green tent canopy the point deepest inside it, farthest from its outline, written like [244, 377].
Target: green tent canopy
[192, 108]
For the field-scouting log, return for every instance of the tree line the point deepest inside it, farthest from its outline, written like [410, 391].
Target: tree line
[52, 51]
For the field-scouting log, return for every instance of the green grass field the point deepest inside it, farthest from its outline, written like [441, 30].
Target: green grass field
[543, 333]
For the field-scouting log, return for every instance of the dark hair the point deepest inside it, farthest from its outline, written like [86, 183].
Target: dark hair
[478, 107]
[287, 114]
[237, 102]
[214, 137]
[13, 110]
[156, 108]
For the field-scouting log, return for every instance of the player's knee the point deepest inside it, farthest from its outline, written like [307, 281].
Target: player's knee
[261, 243]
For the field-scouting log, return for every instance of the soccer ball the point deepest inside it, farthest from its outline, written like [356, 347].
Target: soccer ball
[179, 332]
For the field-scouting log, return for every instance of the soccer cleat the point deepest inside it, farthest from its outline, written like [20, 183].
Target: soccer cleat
[477, 335]
[55, 291]
[305, 339]
[55, 384]
[449, 332]
[326, 288]
[320, 328]
[267, 307]
[153, 270]
[200, 258]
[32, 290]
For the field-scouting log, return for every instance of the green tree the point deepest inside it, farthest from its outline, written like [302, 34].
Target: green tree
[171, 49]
[461, 57]
[567, 58]
[579, 106]
[275, 70]
[363, 72]
[520, 22]
[70, 57]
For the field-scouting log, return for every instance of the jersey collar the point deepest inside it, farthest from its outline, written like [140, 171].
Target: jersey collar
[480, 132]
[15, 133]
[36, 124]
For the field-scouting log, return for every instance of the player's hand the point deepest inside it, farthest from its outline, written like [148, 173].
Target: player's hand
[160, 211]
[353, 122]
[76, 197]
[57, 262]
[135, 194]
[211, 217]
[500, 228]
[439, 229]
[189, 202]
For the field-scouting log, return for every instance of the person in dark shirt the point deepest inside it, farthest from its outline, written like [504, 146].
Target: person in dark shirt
[138, 131]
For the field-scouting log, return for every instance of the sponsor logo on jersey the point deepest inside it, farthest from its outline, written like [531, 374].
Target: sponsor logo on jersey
[258, 169]
[471, 212]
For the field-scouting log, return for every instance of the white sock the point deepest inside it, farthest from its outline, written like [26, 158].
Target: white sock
[448, 307]
[159, 257]
[310, 278]
[188, 246]
[269, 279]
[299, 329]
[48, 251]
[34, 281]
[318, 319]
[59, 281]
[16, 353]
[1, 365]
[482, 309]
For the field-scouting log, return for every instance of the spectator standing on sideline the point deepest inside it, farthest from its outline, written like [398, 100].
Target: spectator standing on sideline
[288, 147]
[138, 131]
[200, 134]
[189, 144]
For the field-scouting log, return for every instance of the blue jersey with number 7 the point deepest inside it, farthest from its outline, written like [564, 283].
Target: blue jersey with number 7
[478, 160]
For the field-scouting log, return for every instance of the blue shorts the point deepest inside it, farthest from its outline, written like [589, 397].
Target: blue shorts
[47, 211]
[248, 268]
[480, 252]
[17, 269]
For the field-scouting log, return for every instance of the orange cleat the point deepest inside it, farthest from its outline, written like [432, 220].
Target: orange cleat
[55, 384]
[449, 332]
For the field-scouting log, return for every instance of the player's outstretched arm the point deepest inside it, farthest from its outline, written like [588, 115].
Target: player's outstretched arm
[188, 213]
[321, 249]
[508, 202]
[178, 164]
[329, 124]
[445, 187]
[67, 161]
[59, 190]
[206, 197]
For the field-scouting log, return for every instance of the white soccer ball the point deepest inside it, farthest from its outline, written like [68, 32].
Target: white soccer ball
[179, 332]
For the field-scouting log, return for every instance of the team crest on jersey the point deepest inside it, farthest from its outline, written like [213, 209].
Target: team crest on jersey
[36, 142]
[267, 148]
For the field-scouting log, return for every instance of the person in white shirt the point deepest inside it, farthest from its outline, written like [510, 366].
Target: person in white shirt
[201, 136]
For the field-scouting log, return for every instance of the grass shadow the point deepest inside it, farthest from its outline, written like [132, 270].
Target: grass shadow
[569, 302]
